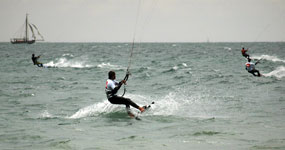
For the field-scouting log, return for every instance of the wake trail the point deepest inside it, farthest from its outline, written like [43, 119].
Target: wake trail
[93, 110]
[269, 58]
[279, 72]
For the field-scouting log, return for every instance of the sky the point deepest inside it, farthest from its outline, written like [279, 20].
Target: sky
[147, 20]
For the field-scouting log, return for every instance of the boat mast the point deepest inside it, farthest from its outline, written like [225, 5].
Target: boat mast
[27, 23]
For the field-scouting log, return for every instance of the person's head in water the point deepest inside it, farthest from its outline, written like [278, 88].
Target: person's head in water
[112, 75]
[248, 59]
[33, 55]
[243, 48]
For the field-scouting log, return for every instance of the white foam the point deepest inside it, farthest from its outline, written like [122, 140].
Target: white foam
[46, 114]
[278, 72]
[94, 110]
[176, 103]
[268, 57]
[67, 54]
[63, 62]
[110, 66]
[106, 65]
[227, 48]
[175, 67]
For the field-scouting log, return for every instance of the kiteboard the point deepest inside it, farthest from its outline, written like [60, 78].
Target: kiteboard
[146, 108]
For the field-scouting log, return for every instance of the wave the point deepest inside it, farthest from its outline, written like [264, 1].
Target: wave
[182, 66]
[110, 66]
[278, 72]
[268, 57]
[46, 115]
[63, 62]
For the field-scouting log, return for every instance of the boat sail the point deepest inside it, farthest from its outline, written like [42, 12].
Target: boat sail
[23, 35]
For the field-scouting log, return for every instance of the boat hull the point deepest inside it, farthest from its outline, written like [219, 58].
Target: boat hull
[23, 42]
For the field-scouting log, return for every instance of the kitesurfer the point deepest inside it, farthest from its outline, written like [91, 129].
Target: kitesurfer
[244, 54]
[35, 60]
[111, 89]
[250, 67]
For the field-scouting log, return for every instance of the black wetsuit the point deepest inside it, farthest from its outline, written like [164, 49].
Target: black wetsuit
[255, 71]
[35, 61]
[122, 100]
[111, 89]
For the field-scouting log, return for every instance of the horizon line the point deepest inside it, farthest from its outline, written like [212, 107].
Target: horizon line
[155, 42]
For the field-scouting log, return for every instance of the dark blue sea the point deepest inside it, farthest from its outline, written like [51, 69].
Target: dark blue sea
[204, 98]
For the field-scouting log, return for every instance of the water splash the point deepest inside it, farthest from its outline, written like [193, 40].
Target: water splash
[94, 110]
[278, 72]
[63, 62]
[46, 115]
[168, 105]
[172, 104]
[107, 107]
[268, 57]
[179, 103]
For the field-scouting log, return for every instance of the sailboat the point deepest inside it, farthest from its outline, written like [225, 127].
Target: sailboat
[22, 36]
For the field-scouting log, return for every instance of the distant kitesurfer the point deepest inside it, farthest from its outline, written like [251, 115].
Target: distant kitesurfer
[35, 60]
[250, 67]
[111, 89]
[244, 54]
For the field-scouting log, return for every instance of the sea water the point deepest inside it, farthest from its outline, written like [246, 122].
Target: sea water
[204, 98]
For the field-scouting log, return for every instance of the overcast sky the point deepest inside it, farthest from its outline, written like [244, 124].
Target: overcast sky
[157, 20]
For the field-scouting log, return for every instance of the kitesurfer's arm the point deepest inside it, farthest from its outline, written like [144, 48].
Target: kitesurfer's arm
[116, 89]
[257, 62]
[127, 77]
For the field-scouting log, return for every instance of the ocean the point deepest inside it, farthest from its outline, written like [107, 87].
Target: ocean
[204, 98]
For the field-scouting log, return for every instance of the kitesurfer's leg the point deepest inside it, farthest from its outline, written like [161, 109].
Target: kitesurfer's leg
[246, 55]
[39, 64]
[252, 72]
[128, 109]
[122, 100]
[130, 102]
[125, 101]
[258, 73]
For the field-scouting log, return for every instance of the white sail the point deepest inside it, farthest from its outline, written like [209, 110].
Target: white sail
[38, 31]
[33, 34]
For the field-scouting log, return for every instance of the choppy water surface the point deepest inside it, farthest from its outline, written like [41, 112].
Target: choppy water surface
[204, 98]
